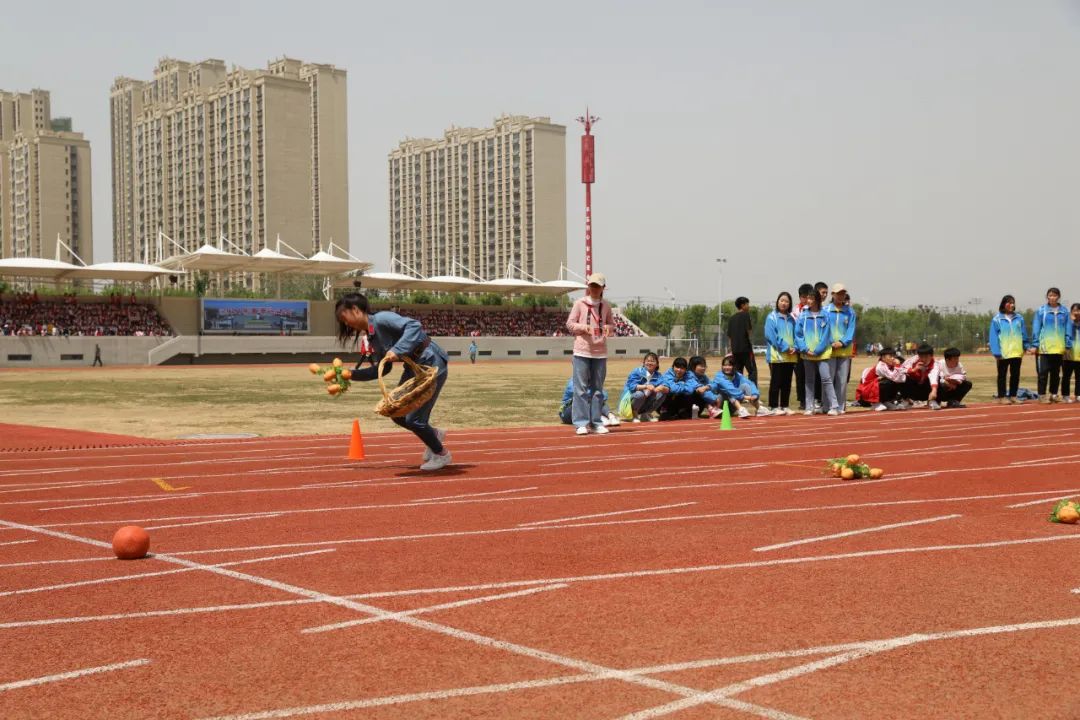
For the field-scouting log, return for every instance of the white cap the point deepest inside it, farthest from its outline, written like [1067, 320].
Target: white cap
[597, 279]
[838, 287]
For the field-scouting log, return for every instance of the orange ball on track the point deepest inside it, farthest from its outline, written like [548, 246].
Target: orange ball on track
[131, 542]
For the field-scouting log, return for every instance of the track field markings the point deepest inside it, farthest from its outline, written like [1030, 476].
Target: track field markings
[607, 514]
[73, 674]
[849, 533]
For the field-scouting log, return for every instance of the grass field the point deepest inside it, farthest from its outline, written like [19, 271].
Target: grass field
[167, 402]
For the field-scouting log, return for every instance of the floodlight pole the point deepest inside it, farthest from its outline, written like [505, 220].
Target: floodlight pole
[588, 177]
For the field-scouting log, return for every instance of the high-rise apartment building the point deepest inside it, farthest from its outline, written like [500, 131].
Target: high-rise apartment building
[44, 181]
[202, 152]
[483, 198]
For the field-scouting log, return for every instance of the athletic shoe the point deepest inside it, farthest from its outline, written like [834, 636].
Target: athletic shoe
[808, 413]
[764, 412]
[789, 411]
[583, 430]
[896, 406]
[833, 413]
[1070, 399]
[935, 405]
[714, 412]
[437, 462]
[613, 420]
[880, 407]
[744, 413]
[955, 404]
[604, 421]
[600, 430]
[637, 419]
[439, 433]
[843, 410]
[654, 417]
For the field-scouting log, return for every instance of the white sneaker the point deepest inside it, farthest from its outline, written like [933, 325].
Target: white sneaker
[788, 411]
[744, 413]
[427, 451]
[654, 417]
[808, 413]
[600, 430]
[881, 407]
[1070, 399]
[764, 412]
[935, 405]
[833, 412]
[583, 430]
[604, 421]
[613, 420]
[437, 462]
[637, 418]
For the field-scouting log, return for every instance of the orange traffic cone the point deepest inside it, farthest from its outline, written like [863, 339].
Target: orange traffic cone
[356, 445]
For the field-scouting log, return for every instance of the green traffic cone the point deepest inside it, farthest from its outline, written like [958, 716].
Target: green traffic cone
[725, 418]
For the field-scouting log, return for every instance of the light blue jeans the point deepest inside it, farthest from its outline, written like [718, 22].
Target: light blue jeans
[589, 376]
[823, 368]
[839, 367]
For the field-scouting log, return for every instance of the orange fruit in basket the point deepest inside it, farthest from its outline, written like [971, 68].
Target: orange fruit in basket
[333, 389]
[131, 542]
[314, 368]
[337, 362]
[847, 474]
[1068, 514]
[329, 376]
[853, 459]
[876, 473]
[346, 374]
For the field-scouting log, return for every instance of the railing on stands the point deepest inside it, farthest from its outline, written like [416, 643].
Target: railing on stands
[169, 348]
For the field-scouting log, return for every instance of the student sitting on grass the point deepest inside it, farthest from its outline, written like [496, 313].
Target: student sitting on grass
[677, 393]
[948, 382]
[918, 368]
[737, 389]
[702, 388]
[642, 387]
[891, 380]
[566, 410]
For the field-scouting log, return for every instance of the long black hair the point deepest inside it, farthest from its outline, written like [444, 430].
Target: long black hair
[349, 302]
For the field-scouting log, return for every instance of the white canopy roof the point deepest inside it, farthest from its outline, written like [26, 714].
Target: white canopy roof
[211, 259]
[57, 270]
[451, 283]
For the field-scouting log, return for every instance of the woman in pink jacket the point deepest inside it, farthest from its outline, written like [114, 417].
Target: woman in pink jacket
[591, 323]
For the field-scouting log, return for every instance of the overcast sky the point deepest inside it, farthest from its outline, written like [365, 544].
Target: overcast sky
[923, 151]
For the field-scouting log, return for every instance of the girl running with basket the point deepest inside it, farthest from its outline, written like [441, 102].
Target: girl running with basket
[395, 338]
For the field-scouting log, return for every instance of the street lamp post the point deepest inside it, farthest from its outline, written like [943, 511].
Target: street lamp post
[720, 262]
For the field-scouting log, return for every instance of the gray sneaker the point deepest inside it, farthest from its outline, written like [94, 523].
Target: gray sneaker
[438, 462]
[439, 433]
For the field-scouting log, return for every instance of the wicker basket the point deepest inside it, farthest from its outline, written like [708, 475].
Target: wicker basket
[409, 395]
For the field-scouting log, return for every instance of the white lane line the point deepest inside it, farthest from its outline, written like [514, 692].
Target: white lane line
[607, 514]
[42, 487]
[471, 495]
[30, 563]
[212, 522]
[158, 573]
[869, 648]
[17, 542]
[849, 533]
[445, 630]
[1033, 502]
[434, 608]
[342, 706]
[73, 674]
[1043, 461]
[604, 523]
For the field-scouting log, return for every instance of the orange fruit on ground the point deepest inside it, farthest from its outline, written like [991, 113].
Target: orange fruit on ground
[131, 542]
[314, 368]
[876, 472]
[346, 374]
[333, 389]
[337, 362]
[847, 474]
[852, 459]
[329, 376]
[836, 469]
[1068, 514]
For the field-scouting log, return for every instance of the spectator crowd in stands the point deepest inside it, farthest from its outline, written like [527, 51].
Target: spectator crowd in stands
[26, 314]
[509, 322]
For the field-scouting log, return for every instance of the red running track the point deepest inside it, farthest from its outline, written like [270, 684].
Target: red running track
[667, 570]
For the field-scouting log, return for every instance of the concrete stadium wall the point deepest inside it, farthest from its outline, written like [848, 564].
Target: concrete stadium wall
[250, 349]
